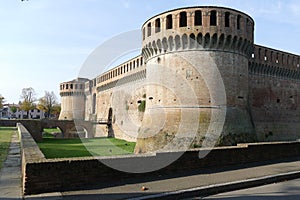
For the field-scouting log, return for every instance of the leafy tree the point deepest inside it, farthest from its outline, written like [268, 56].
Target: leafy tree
[47, 103]
[56, 110]
[13, 109]
[28, 99]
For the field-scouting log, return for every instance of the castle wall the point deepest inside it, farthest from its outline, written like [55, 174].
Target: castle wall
[197, 63]
[120, 89]
[122, 103]
[274, 94]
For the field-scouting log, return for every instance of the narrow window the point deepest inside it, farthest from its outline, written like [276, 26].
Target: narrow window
[227, 19]
[238, 22]
[67, 86]
[149, 29]
[213, 18]
[157, 25]
[198, 18]
[71, 86]
[94, 104]
[266, 53]
[183, 20]
[271, 57]
[169, 22]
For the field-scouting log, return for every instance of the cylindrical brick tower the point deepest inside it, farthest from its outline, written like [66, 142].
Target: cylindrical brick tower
[72, 99]
[188, 53]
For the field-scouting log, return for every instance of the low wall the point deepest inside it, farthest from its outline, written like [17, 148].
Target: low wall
[49, 175]
[30, 124]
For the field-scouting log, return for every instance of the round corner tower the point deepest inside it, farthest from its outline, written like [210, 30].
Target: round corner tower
[72, 99]
[180, 48]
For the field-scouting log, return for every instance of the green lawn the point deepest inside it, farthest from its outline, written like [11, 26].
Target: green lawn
[5, 138]
[67, 148]
[49, 132]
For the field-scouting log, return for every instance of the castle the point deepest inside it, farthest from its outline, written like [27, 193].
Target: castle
[199, 79]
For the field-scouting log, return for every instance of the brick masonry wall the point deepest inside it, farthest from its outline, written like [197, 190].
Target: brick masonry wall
[33, 125]
[49, 175]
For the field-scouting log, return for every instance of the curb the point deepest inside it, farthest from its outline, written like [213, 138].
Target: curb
[220, 188]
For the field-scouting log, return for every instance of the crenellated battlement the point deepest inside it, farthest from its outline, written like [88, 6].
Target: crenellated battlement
[272, 62]
[273, 57]
[198, 28]
[75, 87]
[125, 69]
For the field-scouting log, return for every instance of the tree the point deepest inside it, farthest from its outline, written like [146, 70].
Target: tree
[47, 103]
[56, 110]
[28, 99]
[13, 109]
[1, 101]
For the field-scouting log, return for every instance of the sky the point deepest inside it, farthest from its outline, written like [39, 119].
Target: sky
[46, 42]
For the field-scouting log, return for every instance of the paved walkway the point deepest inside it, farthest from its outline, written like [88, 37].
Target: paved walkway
[10, 174]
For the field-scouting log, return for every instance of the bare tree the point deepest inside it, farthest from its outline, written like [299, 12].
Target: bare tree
[47, 103]
[28, 99]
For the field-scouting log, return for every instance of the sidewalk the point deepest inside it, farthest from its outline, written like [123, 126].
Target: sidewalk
[187, 186]
[10, 174]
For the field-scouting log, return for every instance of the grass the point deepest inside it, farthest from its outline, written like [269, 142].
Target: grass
[68, 148]
[49, 132]
[5, 138]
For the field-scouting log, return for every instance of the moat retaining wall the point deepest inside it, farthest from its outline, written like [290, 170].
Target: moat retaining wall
[42, 175]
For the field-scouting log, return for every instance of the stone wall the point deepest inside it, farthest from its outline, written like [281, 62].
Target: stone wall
[34, 126]
[49, 175]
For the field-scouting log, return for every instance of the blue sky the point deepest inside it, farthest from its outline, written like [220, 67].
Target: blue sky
[45, 42]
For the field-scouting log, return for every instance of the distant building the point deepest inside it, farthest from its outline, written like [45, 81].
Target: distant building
[7, 113]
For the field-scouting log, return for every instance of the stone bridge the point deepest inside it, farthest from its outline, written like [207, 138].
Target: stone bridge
[68, 127]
